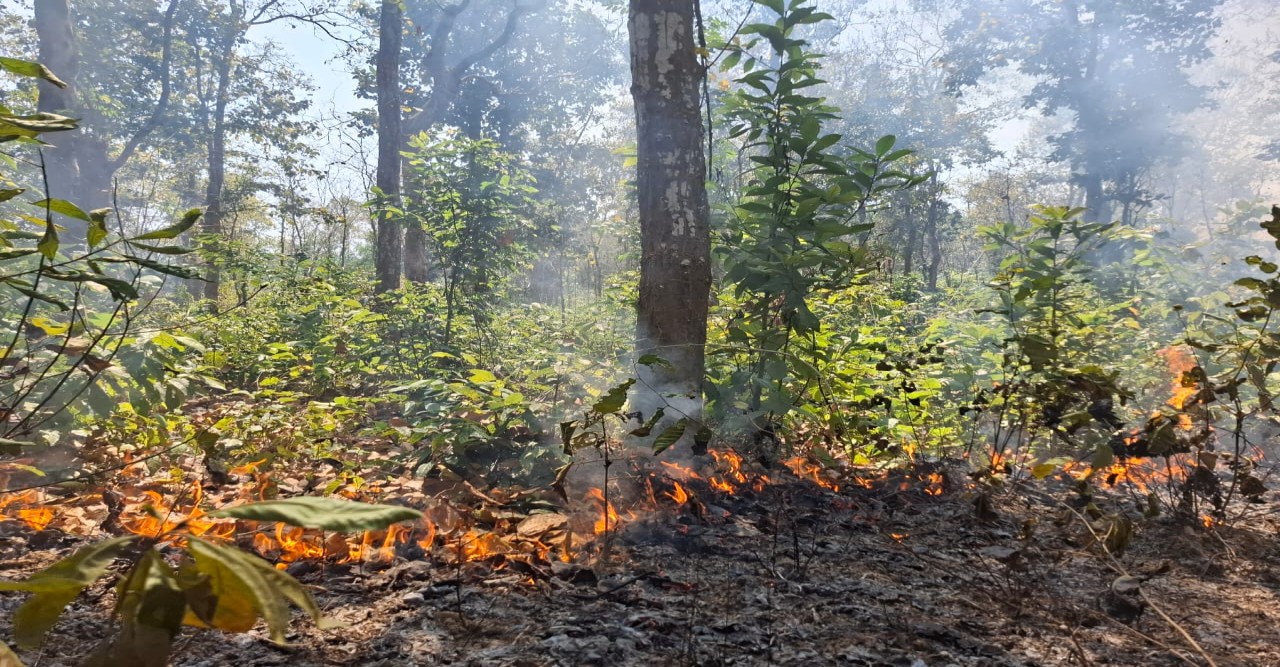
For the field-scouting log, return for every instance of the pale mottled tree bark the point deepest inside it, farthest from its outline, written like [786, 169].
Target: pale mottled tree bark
[675, 239]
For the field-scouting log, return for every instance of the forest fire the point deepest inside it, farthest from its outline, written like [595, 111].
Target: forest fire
[805, 469]
[28, 509]
[609, 518]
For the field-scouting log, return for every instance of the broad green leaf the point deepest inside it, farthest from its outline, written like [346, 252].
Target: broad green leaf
[150, 607]
[173, 231]
[481, 376]
[613, 401]
[653, 360]
[63, 207]
[56, 586]
[669, 436]
[48, 244]
[31, 69]
[160, 267]
[6, 195]
[647, 428]
[885, 144]
[30, 293]
[290, 588]
[322, 513]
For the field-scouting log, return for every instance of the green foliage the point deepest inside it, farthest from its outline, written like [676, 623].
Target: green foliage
[791, 235]
[1049, 357]
[213, 585]
[471, 198]
[67, 349]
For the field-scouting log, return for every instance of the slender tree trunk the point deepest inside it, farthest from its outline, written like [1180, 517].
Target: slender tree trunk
[390, 248]
[908, 259]
[57, 51]
[675, 239]
[1095, 201]
[214, 212]
[934, 237]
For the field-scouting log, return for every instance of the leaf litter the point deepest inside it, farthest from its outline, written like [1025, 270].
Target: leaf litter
[714, 562]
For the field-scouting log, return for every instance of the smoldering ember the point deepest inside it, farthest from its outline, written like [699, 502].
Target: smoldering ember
[931, 333]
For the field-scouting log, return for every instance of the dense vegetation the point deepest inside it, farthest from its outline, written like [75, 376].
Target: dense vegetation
[1025, 239]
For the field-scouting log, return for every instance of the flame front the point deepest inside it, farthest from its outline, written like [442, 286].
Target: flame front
[608, 513]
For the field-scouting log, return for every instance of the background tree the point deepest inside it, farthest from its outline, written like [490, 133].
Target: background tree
[1119, 67]
[390, 231]
[675, 235]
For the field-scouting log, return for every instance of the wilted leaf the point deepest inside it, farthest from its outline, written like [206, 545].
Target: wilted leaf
[232, 595]
[7, 658]
[31, 69]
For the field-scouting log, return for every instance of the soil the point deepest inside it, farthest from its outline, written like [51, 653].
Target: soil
[789, 574]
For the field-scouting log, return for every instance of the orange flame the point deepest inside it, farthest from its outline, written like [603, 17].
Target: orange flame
[1180, 361]
[36, 518]
[608, 514]
[803, 468]
[678, 494]
[935, 487]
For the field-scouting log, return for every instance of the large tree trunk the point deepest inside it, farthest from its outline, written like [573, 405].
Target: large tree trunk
[214, 212]
[390, 229]
[675, 239]
[57, 51]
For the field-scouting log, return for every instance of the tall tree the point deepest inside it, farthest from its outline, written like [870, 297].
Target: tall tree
[675, 239]
[56, 33]
[441, 68]
[232, 26]
[390, 232]
[1119, 67]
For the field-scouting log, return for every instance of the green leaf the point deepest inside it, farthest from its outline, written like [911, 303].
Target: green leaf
[322, 513]
[57, 585]
[613, 400]
[647, 428]
[6, 195]
[885, 144]
[173, 231]
[163, 249]
[290, 588]
[653, 360]
[150, 607]
[97, 226]
[48, 244]
[670, 435]
[32, 294]
[31, 69]
[63, 207]
[481, 376]
[160, 267]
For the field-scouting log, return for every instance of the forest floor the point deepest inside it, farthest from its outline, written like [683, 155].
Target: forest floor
[890, 571]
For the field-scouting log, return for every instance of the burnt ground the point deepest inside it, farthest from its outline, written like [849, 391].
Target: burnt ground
[792, 574]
